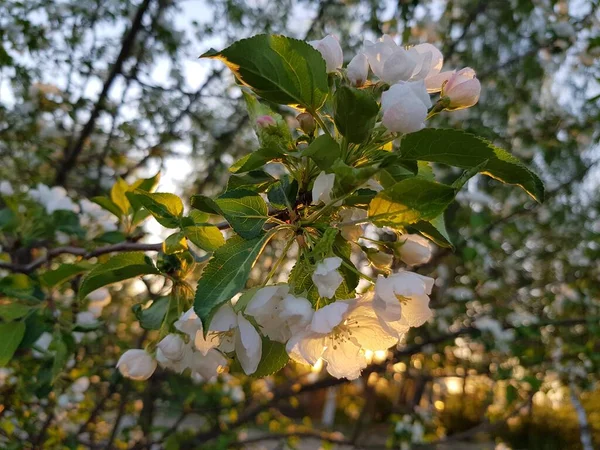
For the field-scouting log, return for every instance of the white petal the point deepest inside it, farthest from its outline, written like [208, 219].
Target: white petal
[322, 188]
[224, 319]
[328, 317]
[248, 345]
[345, 360]
[416, 310]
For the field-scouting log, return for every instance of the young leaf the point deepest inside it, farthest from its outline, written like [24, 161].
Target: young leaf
[410, 201]
[226, 274]
[118, 197]
[151, 318]
[118, 268]
[435, 230]
[255, 180]
[464, 150]
[11, 309]
[245, 211]
[175, 243]
[254, 160]
[274, 358]
[11, 334]
[355, 111]
[108, 205]
[166, 208]
[63, 273]
[277, 68]
[282, 193]
[206, 237]
[324, 150]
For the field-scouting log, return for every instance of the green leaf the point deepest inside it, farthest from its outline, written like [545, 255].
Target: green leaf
[274, 358]
[147, 184]
[107, 204]
[166, 208]
[118, 268]
[63, 273]
[254, 160]
[464, 150]
[435, 230]
[151, 317]
[60, 356]
[204, 204]
[355, 111]
[11, 309]
[324, 150]
[111, 237]
[226, 274]
[349, 177]
[282, 194]
[255, 180]
[277, 68]
[206, 237]
[410, 201]
[245, 211]
[118, 197]
[175, 243]
[11, 334]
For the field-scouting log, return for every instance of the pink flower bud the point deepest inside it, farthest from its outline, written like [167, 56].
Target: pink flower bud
[265, 121]
[462, 89]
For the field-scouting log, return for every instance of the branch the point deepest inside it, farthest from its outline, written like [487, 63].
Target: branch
[73, 151]
[53, 253]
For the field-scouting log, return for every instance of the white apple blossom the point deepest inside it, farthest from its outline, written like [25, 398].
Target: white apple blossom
[6, 188]
[330, 49]
[401, 301]
[238, 334]
[136, 364]
[414, 249]
[322, 188]
[340, 333]
[405, 107]
[189, 323]
[53, 199]
[462, 89]
[351, 232]
[99, 299]
[391, 62]
[358, 69]
[277, 313]
[172, 346]
[85, 318]
[326, 276]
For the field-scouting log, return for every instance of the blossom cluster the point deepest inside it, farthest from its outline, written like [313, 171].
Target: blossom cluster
[412, 74]
[341, 334]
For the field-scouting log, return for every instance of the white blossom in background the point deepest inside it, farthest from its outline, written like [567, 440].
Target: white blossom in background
[322, 188]
[41, 345]
[401, 301]
[238, 334]
[136, 364]
[330, 49]
[340, 333]
[278, 314]
[95, 218]
[327, 277]
[86, 318]
[351, 232]
[358, 69]
[6, 188]
[414, 249]
[492, 326]
[405, 106]
[99, 299]
[172, 346]
[53, 199]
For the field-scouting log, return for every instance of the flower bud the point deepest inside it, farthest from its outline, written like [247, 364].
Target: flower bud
[265, 121]
[172, 346]
[462, 90]
[307, 123]
[358, 69]
[413, 249]
[136, 364]
[330, 49]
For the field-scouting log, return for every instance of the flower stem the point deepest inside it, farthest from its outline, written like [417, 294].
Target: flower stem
[358, 272]
[280, 260]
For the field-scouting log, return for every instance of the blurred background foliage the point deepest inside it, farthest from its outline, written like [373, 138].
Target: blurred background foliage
[92, 90]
